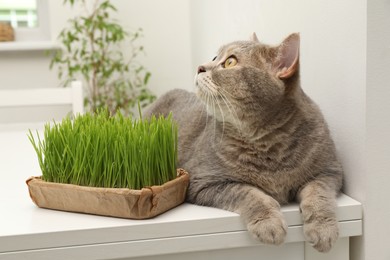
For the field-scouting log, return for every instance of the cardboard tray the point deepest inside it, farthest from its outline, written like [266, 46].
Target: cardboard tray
[115, 202]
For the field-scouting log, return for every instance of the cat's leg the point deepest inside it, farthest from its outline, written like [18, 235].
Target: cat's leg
[318, 204]
[259, 211]
[264, 218]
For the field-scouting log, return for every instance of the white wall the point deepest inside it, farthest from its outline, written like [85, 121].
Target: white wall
[166, 38]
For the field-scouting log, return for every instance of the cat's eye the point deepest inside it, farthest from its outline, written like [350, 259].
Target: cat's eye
[214, 58]
[230, 62]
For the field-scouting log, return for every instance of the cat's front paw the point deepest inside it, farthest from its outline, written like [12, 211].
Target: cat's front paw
[321, 233]
[269, 230]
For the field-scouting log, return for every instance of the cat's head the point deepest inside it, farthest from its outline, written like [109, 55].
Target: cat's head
[248, 80]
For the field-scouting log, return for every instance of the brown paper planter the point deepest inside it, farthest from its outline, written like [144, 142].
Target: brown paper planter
[6, 32]
[116, 202]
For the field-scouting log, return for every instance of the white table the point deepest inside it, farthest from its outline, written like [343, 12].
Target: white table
[186, 232]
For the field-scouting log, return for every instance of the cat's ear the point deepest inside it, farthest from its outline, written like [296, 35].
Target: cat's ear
[254, 37]
[287, 61]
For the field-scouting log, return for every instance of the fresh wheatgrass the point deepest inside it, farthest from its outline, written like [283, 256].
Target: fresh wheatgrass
[100, 150]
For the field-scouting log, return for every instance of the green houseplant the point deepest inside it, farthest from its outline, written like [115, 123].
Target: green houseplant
[91, 51]
[117, 155]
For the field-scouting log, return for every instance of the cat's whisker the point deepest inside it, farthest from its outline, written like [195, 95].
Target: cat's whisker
[205, 92]
[224, 96]
[207, 103]
[211, 102]
[215, 122]
[203, 111]
[215, 96]
[211, 106]
[222, 113]
[231, 109]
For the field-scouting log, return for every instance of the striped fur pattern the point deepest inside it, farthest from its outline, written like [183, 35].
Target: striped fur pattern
[253, 140]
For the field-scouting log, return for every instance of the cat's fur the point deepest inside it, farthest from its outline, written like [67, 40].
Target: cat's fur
[251, 140]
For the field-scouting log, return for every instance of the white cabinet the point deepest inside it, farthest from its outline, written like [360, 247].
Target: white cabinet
[186, 232]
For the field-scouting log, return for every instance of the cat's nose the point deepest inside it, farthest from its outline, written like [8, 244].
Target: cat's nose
[201, 69]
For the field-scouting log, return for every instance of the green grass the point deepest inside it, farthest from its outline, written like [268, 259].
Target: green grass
[100, 150]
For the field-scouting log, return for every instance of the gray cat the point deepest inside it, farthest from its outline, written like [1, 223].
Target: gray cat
[252, 140]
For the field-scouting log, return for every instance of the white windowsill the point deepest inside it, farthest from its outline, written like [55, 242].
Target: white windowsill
[28, 46]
